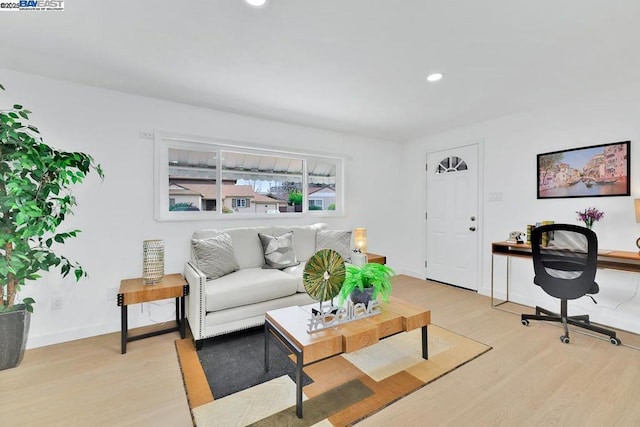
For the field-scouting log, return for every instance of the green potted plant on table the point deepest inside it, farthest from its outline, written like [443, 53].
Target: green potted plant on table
[35, 198]
[367, 282]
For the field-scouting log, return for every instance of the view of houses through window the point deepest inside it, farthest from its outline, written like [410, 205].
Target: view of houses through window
[250, 182]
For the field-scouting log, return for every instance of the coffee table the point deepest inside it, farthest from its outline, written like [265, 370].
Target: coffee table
[289, 325]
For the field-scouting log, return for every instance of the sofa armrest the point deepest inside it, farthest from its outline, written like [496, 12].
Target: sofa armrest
[196, 302]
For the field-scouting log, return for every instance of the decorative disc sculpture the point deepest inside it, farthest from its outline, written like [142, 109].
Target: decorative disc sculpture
[323, 275]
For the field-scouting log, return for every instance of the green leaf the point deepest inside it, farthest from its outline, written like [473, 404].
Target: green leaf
[35, 198]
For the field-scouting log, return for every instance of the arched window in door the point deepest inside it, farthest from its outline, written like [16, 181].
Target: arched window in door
[451, 164]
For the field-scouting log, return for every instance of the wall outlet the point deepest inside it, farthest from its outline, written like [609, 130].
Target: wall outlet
[145, 134]
[57, 303]
[495, 197]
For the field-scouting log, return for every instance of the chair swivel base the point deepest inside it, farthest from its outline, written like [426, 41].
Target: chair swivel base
[581, 321]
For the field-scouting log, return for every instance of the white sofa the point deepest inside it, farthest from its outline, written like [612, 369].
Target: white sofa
[239, 300]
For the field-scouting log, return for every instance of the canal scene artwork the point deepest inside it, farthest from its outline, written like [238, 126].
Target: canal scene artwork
[599, 170]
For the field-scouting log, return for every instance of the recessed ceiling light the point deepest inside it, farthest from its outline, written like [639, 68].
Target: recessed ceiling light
[256, 3]
[434, 77]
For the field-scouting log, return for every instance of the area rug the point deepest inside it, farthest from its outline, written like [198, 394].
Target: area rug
[235, 361]
[345, 388]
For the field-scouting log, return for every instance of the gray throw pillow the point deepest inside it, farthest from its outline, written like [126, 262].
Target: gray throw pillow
[338, 240]
[278, 251]
[214, 256]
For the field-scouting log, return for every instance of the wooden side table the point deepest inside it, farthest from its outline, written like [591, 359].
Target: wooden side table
[380, 259]
[133, 291]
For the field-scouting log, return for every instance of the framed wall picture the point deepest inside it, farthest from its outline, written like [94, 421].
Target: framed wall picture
[594, 171]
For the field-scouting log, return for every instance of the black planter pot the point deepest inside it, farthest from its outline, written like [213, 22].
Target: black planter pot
[14, 329]
[364, 296]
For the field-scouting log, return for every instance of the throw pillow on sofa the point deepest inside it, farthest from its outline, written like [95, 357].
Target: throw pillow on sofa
[214, 256]
[338, 240]
[278, 251]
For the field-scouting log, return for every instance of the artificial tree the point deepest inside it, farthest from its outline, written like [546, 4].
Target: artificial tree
[35, 198]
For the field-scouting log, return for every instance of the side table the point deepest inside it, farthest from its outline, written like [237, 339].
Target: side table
[133, 291]
[380, 259]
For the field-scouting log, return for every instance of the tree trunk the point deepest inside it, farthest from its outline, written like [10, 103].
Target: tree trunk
[11, 278]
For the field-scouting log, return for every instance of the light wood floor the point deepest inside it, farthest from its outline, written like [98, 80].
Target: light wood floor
[528, 378]
[89, 383]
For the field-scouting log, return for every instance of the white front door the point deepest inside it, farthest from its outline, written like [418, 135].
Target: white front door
[452, 216]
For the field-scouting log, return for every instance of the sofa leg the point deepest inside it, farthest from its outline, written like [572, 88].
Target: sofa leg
[198, 344]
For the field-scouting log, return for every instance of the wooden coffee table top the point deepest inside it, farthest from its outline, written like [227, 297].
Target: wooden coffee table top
[396, 316]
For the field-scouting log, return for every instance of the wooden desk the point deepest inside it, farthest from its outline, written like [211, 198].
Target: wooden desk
[133, 291]
[611, 259]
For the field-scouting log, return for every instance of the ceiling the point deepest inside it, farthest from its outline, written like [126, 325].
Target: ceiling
[356, 66]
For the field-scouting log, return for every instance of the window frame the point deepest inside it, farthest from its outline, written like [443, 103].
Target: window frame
[163, 141]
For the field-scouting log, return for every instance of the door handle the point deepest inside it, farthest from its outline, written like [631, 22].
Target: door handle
[472, 228]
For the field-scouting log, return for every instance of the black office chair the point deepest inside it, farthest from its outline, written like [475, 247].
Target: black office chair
[565, 258]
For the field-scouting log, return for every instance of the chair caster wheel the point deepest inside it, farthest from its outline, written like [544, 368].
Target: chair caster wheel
[564, 339]
[525, 322]
[615, 341]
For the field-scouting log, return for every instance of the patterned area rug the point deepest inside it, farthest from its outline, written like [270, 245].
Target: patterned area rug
[345, 388]
[234, 362]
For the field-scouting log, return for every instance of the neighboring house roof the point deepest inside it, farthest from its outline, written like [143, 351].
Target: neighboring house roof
[178, 190]
[261, 198]
[208, 190]
[317, 189]
[238, 191]
[204, 188]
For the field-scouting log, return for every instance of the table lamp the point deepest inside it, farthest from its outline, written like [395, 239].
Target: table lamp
[360, 239]
[636, 203]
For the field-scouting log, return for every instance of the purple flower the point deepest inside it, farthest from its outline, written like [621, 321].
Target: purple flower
[589, 216]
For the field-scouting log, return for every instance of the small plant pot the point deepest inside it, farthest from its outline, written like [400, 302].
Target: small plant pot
[363, 297]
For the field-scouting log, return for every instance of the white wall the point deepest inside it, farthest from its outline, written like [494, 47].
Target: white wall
[115, 216]
[508, 149]
[385, 192]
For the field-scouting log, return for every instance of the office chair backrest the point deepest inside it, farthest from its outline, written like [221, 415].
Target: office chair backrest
[566, 266]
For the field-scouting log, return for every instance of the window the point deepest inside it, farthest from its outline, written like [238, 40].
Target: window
[240, 203]
[451, 164]
[205, 179]
[315, 204]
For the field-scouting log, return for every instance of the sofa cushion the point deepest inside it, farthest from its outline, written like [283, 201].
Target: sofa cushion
[278, 251]
[304, 238]
[296, 271]
[247, 246]
[248, 286]
[214, 256]
[338, 240]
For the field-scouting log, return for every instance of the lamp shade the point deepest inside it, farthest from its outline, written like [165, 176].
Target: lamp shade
[360, 239]
[636, 203]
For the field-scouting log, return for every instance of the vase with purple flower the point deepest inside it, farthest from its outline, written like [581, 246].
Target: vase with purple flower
[589, 216]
